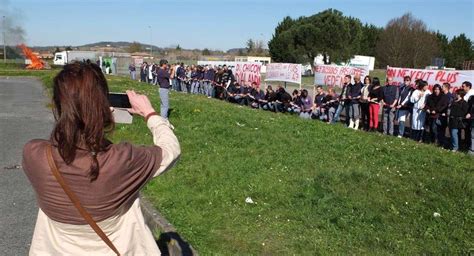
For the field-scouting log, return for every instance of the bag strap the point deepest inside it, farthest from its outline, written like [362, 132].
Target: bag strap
[76, 202]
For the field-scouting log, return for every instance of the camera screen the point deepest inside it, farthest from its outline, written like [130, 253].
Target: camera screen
[119, 100]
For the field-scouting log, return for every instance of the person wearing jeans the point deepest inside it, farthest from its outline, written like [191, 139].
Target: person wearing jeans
[404, 107]
[343, 101]
[163, 78]
[470, 116]
[354, 94]
[390, 98]
[458, 111]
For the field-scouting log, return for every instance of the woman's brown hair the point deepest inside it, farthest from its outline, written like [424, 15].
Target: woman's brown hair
[82, 112]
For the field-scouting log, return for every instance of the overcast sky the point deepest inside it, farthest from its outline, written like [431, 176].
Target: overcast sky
[210, 24]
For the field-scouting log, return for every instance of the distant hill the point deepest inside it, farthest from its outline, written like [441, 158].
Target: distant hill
[236, 51]
[120, 44]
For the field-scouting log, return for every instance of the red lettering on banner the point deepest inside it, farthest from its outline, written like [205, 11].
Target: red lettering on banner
[391, 72]
[401, 73]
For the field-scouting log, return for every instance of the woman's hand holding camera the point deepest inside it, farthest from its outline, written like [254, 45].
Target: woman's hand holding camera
[140, 104]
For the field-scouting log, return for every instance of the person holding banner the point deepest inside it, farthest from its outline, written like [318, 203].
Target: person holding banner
[418, 98]
[375, 96]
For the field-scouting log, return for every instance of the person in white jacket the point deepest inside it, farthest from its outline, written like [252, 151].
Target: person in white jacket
[418, 98]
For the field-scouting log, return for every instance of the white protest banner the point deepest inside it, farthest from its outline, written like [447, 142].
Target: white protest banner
[454, 77]
[247, 72]
[333, 75]
[285, 72]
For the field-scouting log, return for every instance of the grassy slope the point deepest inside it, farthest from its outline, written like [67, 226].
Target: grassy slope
[317, 188]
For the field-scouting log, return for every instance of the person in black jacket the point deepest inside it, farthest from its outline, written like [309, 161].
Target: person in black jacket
[458, 111]
[470, 116]
[375, 96]
[436, 108]
[390, 95]
[343, 101]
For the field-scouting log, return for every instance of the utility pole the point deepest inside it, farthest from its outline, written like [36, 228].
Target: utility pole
[4, 41]
[151, 42]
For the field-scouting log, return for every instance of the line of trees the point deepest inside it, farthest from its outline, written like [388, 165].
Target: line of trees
[405, 41]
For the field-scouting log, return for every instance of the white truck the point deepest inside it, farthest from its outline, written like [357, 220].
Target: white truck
[66, 57]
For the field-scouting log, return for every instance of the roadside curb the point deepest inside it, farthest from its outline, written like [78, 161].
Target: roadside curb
[169, 242]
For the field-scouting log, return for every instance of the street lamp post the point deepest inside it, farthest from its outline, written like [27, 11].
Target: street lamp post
[4, 41]
[151, 42]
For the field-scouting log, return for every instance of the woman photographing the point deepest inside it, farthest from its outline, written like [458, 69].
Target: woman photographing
[87, 187]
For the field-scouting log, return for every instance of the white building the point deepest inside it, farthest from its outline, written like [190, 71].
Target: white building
[356, 61]
[263, 60]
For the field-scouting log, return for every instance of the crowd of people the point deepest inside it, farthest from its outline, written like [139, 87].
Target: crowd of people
[432, 113]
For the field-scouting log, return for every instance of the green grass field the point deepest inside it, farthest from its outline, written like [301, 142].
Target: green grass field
[317, 188]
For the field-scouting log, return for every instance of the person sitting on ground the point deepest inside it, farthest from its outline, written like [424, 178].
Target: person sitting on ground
[79, 168]
[246, 97]
[306, 105]
[330, 104]
[269, 99]
[318, 101]
[256, 96]
[234, 93]
[283, 100]
[295, 102]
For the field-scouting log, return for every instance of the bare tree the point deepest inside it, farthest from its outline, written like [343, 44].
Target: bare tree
[407, 42]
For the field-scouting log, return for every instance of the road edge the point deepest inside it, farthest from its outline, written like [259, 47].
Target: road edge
[169, 239]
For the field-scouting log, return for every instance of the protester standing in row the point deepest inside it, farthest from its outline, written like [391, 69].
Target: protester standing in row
[354, 94]
[467, 87]
[364, 103]
[436, 108]
[375, 96]
[418, 98]
[470, 117]
[404, 107]
[457, 112]
[390, 95]
[343, 101]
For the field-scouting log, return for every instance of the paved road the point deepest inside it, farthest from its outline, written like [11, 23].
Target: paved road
[23, 116]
